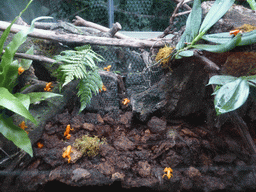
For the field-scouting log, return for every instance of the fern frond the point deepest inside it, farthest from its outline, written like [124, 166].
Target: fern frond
[80, 64]
[92, 83]
[76, 64]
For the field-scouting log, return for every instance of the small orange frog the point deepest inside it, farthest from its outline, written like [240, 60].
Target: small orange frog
[20, 70]
[40, 145]
[66, 133]
[168, 171]
[67, 153]
[126, 101]
[48, 87]
[107, 68]
[23, 126]
[103, 88]
[234, 32]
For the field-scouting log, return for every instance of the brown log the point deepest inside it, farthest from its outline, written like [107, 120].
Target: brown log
[80, 21]
[81, 39]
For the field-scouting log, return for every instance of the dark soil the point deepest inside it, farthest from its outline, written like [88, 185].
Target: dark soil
[134, 156]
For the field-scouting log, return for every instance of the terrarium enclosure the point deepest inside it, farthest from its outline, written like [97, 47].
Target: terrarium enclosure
[86, 103]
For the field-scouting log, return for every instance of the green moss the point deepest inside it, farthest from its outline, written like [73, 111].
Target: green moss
[88, 145]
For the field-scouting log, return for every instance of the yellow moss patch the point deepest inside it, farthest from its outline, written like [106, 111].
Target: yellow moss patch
[163, 55]
[247, 28]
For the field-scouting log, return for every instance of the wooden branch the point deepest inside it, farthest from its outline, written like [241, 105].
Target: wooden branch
[182, 13]
[168, 30]
[175, 11]
[116, 27]
[40, 58]
[80, 21]
[81, 39]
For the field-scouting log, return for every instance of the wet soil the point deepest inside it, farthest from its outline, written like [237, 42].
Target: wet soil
[135, 155]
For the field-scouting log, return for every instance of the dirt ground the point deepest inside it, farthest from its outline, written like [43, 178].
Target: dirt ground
[134, 156]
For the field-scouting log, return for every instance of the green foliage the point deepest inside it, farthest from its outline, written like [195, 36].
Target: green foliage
[233, 91]
[196, 31]
[252, 4]
[80, 64]
[88, 85]
[88, 145]
[17, 103]
[224, 38]
[15, 134]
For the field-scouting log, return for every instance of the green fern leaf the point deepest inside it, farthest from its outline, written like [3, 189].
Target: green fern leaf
[76, 64]
[92, 83]
[80, 64]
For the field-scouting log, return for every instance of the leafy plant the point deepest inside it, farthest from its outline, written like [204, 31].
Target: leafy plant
[232, 92]
[195, 31]
[80, 64]
[17, 103]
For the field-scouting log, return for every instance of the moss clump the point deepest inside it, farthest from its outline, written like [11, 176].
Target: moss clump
[247, 28]
[163, 55]
[88, 145]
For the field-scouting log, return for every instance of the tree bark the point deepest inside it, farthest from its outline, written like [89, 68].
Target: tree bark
[81, 39]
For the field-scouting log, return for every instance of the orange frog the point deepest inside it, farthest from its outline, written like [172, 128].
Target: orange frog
[66, 133]
[20, 70]
[66, 154]
[48, 87]
[168, 171]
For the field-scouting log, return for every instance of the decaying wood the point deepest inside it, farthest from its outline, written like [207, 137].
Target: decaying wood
[81, 39]
[233, 116]
[244, 132]
[209, 65]
[81, 22]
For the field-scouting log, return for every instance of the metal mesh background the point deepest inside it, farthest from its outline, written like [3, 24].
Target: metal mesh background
[136, 75]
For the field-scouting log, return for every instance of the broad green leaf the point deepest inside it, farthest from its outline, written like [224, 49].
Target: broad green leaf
[219, 8]
[252, 4]
[192, 25]
[188, 53]
[24, 99]
[248, 38]
[223, 38]
[231, 96]
[25, 63]
[8, 78]
[7, 31]
[8, 70]
[222, 47]
[11, 103]
[15, 134]
[218, 38]
[221, 79]
[36, 97]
